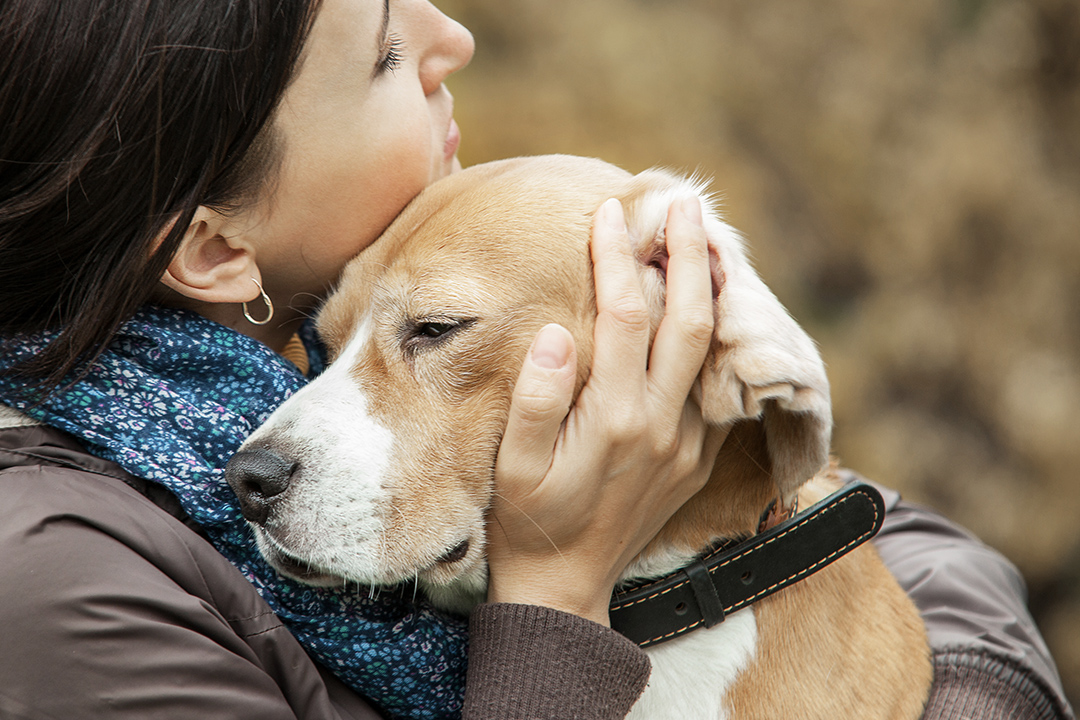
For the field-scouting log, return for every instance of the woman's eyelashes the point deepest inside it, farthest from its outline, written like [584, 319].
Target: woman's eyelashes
[392, 55]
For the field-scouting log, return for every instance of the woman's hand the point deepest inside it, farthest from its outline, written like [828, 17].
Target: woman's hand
[578, 495]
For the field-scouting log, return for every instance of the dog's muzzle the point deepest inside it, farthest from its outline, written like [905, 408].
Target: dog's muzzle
[258, 477]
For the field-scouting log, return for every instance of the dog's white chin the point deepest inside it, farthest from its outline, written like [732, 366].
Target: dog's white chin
[291, 567]
[461, 594]
[455, 587]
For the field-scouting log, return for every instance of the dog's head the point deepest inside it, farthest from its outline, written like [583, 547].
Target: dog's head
[381, 469]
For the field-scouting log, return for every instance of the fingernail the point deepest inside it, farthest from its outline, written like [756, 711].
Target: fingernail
[612, 211]
[551, 348]
[691, 208]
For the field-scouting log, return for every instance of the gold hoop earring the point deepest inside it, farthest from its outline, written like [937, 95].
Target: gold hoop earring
[265, 299]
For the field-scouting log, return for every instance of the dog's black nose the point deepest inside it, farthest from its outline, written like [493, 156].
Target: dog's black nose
[258, 477]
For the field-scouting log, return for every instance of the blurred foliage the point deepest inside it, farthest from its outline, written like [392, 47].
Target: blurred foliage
[908, 177]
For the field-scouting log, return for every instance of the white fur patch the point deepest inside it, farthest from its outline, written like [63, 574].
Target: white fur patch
[656, 202]
[331, 517]
[12, 418]
[692, 675]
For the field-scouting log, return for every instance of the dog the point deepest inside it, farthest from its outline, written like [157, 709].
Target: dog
[381, 470]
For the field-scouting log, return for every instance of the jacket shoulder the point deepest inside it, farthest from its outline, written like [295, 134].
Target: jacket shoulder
[124, 611]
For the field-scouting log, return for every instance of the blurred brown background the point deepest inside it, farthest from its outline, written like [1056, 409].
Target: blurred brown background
[908, 176]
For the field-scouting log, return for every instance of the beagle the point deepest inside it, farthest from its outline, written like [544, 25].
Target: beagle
[381, 470]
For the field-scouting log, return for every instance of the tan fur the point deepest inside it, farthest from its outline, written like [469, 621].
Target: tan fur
[847, 641]
[504, 248]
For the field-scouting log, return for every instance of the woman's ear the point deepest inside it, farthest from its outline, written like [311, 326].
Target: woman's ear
[214, 263]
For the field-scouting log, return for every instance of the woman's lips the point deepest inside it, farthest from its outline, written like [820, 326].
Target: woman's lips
[453, 139]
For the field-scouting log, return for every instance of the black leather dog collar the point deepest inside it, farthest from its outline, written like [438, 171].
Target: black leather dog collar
[732, 578]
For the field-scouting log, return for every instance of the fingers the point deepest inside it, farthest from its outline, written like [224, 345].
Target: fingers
[684, 335]
[540, 402]
[622, 319]
[580, 494]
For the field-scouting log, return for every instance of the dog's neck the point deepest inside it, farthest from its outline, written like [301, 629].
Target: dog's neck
[739, 498]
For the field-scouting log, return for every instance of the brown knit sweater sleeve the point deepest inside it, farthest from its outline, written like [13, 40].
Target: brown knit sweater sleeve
[977, 684]
[534, 663]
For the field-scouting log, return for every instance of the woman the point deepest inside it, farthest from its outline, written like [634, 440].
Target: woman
[173, 173]
[164, 165]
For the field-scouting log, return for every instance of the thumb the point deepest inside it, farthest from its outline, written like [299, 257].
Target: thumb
[541, 400]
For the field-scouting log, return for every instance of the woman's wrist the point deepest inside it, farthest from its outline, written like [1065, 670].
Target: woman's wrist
[563, 591]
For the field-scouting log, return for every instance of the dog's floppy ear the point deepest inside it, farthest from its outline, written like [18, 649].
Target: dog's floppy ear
[762, 366]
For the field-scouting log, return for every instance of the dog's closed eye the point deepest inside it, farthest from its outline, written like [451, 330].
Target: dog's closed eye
[426, 333]
[434, 329]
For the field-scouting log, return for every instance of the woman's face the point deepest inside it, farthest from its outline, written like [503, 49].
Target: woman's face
[365, 125]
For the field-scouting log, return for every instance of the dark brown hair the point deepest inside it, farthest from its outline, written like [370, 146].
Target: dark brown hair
[117, 118]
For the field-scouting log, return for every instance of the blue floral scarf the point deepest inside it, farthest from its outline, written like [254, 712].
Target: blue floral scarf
[170, 401]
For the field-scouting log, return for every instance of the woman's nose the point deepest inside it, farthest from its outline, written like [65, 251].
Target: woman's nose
[258, 477]
[451, 49]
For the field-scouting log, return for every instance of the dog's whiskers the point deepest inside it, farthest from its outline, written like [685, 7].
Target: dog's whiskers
[306, 313]
[554, 546]
[406, 531]
[765, 471]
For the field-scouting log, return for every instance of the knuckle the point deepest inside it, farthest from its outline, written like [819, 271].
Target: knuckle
[689, 457]
[629, 311]
[626, 427]
[694, 247]
[682, 444]
[536, 405]
[696, 325]
[666, 445]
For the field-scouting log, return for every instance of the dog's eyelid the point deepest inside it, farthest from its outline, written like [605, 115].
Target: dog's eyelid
[424, 333]
[435, 329]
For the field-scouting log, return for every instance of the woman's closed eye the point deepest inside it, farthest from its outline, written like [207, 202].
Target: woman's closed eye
[392, 55]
